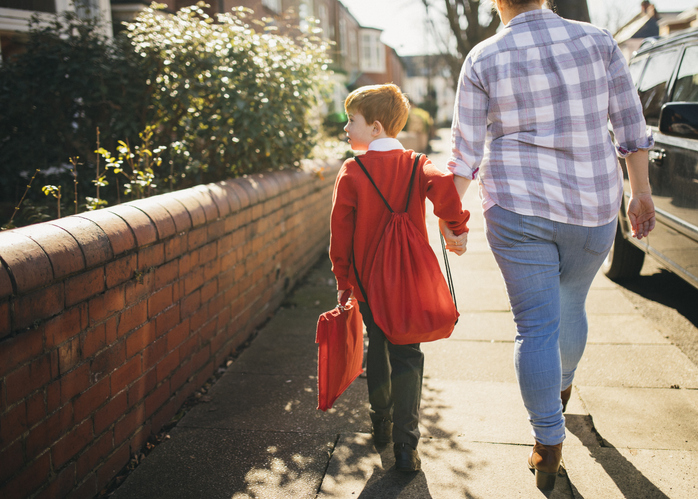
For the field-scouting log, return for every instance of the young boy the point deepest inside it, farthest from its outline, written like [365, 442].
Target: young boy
[394, 372]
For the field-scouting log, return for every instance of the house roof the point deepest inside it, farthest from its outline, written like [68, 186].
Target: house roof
[644, 25]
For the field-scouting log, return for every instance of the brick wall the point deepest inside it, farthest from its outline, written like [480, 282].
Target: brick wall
[109, 320]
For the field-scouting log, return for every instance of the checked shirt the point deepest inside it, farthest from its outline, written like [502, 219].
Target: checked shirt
[531, 120]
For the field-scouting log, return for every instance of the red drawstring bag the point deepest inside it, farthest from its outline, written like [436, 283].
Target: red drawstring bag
[409, 298]
[340, 339]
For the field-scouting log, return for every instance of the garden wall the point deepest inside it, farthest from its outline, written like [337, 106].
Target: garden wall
[110, 319]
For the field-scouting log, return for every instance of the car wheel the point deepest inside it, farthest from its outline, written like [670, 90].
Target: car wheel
[624, 261]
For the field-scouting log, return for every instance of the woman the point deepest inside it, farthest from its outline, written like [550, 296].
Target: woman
[531, 125]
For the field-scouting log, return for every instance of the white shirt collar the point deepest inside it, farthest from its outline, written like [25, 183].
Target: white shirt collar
[387, 144]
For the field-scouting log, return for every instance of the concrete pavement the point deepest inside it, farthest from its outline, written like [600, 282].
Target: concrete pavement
[632, 422]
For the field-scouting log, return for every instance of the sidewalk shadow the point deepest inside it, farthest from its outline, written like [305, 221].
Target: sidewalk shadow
[388, 483]
[629, 480]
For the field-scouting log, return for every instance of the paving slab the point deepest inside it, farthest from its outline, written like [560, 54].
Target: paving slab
[623, 328]
[451, 468]
[644, 418]
[622, 473]
[278, 403]
[660, 366]
[469, 360]
[609, 301]
[231, 464]
[485, 326]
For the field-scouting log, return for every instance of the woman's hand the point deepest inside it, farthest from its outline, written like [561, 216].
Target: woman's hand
[454, 244]
[641, 214]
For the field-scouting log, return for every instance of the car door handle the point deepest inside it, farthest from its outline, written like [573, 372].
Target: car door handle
[657, 156]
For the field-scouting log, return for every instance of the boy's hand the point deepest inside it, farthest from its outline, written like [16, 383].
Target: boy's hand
[341, 298]
[454, 244]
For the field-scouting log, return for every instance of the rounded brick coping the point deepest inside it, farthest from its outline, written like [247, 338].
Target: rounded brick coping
[36, 256]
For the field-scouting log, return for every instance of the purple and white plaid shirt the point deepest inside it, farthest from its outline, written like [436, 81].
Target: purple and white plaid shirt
[531, 120]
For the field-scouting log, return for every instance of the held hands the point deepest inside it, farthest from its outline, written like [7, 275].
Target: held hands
[641, 214]
[454, 244]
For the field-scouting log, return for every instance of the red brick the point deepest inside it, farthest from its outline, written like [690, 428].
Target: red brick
[121, 270]
[89, 459]
[208, 331]
[192, 205]
[158, 214]
[177, 335]
[126, 426]
[156, 399]
[12, 424]
[112, 466]
[220, 197]
[142, 227]
[208, 291]
[200, 358]
[126, 374]
[151, 256]
[61, 485]
[24, 346]
[165, 414]
[104, 363]
[141, 387]
[68, 355]
[167, 320]
[72, 443]
[177, 211]
[160, 300]
[139, 288]
[92, 240]
[86, 490]
[61, 248]
[84, 286]
[188, 348]
[167, 365]
[28, 480]
[180, 376]
[212, 270]
[154, 353]
[11, 460]
[93, 340]
[166, 273]
[36, 408]
[5, 319]
[91, 399]
[45, 433]
[5, 283]
[120, 235]
[140, 437]
[187, 262]
[132, 317]
[53, 396]
[75, 382]
[112, 411]
[28, 378]
[26, 260]
[191, 303]
[197, 237]
[38, 305]
[106, 304]
[140, 339]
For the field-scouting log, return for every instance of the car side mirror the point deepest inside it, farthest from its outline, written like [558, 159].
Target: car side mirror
[679, 119]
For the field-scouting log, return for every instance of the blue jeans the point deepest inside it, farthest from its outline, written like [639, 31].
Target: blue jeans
[548, 268]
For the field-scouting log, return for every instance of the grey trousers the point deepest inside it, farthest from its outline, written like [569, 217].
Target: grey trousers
[394, 377]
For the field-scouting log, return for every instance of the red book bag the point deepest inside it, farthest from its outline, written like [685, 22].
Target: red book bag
[407, 294]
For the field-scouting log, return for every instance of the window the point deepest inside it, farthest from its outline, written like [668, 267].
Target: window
[686, 88]
[636, 69]
[87, 9]
[273, 5]
[653, 84]
[372, 52]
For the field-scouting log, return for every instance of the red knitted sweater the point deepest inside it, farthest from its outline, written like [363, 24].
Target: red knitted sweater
[359, 216]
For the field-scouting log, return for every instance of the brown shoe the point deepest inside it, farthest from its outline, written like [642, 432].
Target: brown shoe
[565, 396]
[544, 462]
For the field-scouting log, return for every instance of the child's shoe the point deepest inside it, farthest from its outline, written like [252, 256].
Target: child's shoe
[406, 458]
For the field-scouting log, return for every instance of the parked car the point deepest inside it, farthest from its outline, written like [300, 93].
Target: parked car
[665, 72]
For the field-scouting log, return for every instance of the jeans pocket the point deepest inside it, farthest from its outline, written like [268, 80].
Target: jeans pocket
[600, 239]
[504, 228]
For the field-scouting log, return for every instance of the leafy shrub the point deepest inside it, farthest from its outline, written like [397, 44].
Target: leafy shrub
[233, 100]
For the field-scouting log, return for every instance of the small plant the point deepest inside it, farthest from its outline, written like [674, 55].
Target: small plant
[55, 191]
[136, 165]
[74, 172]
[9, 224]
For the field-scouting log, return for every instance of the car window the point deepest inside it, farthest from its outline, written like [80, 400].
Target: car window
[636, 69]
[686, 88]
[654, 81]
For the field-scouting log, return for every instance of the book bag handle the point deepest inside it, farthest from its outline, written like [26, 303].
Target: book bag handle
[449, 278]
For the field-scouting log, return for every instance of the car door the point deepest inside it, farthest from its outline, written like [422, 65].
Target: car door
[673, 171]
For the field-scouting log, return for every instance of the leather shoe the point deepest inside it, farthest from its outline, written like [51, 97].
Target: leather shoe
[565, 397]
[544, 462]
[382, 432]
[406, 458]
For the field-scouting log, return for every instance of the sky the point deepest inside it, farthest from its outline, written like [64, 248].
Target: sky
[406, 30]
